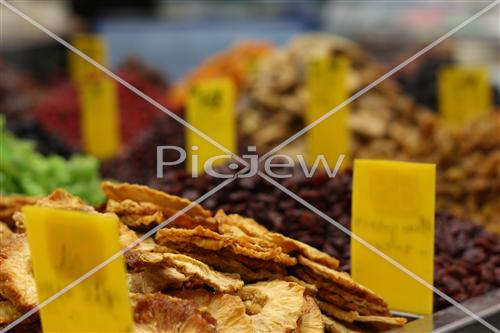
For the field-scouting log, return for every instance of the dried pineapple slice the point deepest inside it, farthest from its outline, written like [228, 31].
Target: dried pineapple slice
[228, 310]
[159, 313]
[139, 193]
[209, 240]
[310, 320]
[280, 304]
[17, 283]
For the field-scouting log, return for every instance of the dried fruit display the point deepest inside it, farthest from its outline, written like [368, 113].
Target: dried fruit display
[384, 123]
[58, 112]
[236, 63]
[208, 272]
[467, 261]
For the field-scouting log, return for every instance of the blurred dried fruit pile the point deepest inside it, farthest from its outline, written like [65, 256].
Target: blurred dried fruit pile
[467, 261]
[385, 124]
[23, 170]
[19, 92]
[137, 164]
[207, 272]
[58, 112]
[235, 63]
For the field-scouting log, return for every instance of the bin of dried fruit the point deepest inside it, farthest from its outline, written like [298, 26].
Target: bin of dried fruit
[208, 272]
[467, 261]
[58, 112]
[384, 124]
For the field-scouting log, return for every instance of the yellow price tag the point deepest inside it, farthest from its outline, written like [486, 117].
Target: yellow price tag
[92, 46]
[327, 88]
[210, 108]
[99, 117]
[464, 94]
[65, 245]
[393, 209]
[97, 98]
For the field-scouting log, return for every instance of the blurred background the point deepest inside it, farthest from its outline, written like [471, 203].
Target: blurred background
[175, 36]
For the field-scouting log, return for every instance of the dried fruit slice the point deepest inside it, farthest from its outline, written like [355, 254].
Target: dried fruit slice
[340, 279]
[228, 310]
[145, 215]
[209, 240]
[275, 305]
[194, 270]
[349, 302]
[333, 326]
[8, 312]
[130, 207]
[310, 320]
[159, 313]
[11, 204]
[380, 322]
[237, 225]
[343, 299]
[127, 236]
[60, 199]
[6, 235]
[17, 283]
[232, 265]
[311, 289]
[291, 246]
[154, 279]
[139, 193]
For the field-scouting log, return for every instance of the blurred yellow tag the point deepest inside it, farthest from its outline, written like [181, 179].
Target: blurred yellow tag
[327, 88]
[464, 94]
[210, 108]
[99, 117]
[92, 46]
[65, 245]
[393, 209]
[98, 98]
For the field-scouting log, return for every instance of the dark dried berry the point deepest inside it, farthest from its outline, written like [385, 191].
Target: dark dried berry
[474, 255]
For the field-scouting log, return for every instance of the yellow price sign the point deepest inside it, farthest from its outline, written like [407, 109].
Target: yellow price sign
[327, 88]
[98, 98]
[464, 94]
[210, 108]
[393, 209]
[99, 117]
[92, 46]
[65, 245]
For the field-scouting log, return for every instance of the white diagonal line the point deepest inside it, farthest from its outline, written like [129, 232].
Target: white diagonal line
[381, 79]
[118, 254]
[377, 251]
[120, 80]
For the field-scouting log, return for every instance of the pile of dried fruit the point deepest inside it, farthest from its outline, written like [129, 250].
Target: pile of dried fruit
[45, 143]
[384, 123]
[209, 272]
[235, 63]
[137, 163]
[59, 111]
[467, 261]
[23, 170]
